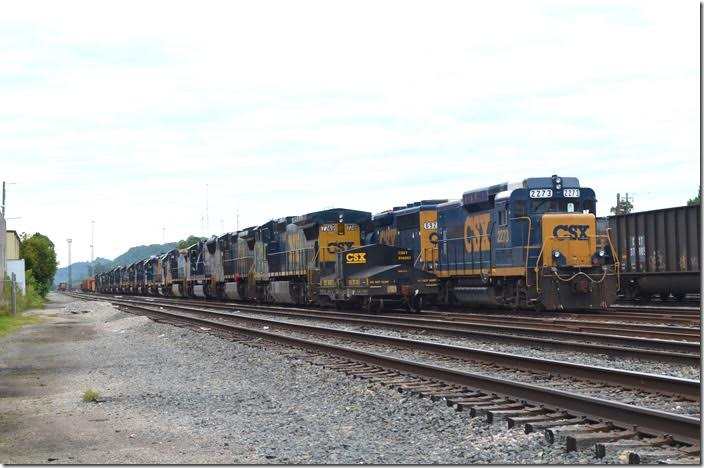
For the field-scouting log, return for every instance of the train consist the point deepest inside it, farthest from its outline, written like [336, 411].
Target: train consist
[659, 251]
[531, 244]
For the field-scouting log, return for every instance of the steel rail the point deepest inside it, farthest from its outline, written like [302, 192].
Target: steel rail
[635, 317]
[649, 421]
[656, 383]
[654, 331]
[464, 332]
[683, 352]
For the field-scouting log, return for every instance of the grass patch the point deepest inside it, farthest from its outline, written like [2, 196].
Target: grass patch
[9, 324]
[31, 299]
[91, 395]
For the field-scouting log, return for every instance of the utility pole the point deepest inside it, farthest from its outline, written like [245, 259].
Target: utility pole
[92, 270]
[238, 219]
[207, 216]
[3, 198]
[163, 235]
[69, 264]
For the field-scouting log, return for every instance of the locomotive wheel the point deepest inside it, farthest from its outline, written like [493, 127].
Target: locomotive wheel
[417, 303]
[374, 306]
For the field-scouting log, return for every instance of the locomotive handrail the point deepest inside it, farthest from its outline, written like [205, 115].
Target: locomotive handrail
[537, 267]
[302, 260]
[614, 255]
[465, 251]
[530, 228]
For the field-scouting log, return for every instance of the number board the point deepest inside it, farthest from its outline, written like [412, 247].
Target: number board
[541, 193]
[570, 193]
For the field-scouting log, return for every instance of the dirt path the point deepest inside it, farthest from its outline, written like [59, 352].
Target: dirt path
[42, 416]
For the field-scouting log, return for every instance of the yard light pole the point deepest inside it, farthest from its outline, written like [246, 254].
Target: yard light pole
[92, 271]
[69, 264]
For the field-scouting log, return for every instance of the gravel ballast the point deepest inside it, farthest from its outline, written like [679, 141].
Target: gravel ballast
[172, 395]
[537, 351]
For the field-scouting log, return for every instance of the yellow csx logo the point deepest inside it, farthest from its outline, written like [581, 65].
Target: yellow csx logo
[360, 257]
[573, 231]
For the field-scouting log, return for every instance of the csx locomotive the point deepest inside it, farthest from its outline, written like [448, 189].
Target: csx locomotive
[532, 244]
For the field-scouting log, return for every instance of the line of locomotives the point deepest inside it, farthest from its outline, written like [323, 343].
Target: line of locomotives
[532, 244]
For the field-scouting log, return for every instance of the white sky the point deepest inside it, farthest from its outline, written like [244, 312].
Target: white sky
[121, 112]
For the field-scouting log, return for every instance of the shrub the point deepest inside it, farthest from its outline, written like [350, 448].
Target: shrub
[91, 395]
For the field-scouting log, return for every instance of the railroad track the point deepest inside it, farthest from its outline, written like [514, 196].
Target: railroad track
[680, 352]
[661, 318]
[578, 419]
[664, 332]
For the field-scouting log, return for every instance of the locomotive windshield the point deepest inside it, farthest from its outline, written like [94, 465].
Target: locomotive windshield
[552, 206]
[562, 206]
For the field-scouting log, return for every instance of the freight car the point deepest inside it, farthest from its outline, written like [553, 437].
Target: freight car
[530, 244]
[659, 252]
[88, 285]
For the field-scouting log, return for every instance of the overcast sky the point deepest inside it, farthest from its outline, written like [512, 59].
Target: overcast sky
[121, 112]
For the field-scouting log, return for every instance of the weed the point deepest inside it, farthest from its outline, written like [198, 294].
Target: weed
[10, 323]
[91, 395]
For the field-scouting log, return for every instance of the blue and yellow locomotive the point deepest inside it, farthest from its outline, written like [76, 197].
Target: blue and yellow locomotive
[532, 244]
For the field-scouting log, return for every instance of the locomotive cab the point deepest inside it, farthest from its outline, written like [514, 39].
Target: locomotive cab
[572, 264]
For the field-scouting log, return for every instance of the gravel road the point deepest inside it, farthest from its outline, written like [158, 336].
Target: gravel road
[172, 395]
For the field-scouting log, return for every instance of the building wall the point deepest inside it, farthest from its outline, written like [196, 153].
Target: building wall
[3, 241]
[12, 246]
[17, 267]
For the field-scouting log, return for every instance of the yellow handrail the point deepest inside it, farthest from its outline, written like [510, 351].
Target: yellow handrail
[542, 248]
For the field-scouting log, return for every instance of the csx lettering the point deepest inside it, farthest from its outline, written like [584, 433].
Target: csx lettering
[334, 247]
[430, 225]
[360, 257]
[574, 231]
[476, 229]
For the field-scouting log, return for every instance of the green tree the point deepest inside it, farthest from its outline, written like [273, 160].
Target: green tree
[623, 206]
[696, 200]
[40, 257]
[182, 244]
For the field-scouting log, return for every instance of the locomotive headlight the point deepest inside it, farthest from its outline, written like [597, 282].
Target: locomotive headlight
[558, 186]
[602, 253]
[556, 253]
[558, 180]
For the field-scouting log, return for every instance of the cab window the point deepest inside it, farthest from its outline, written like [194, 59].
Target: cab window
[503, 218]
[552, 206]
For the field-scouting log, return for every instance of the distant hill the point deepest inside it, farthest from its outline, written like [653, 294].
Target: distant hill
[141, 252]
[81, 270]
